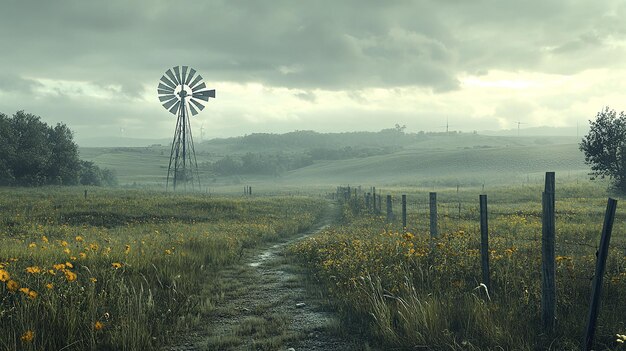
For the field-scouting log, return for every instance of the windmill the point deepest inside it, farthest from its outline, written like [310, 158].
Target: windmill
[180, 93]
[518, 123]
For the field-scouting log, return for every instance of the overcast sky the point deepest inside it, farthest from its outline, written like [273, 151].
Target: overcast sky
[280, 66]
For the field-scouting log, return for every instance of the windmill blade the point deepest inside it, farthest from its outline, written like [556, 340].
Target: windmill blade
[165, 87]
[169, 104]
[195, 81]
[198, 105]
[168, 82]
[198, 87]
[193, 110]
[177, 71]
[191, 73]
[167, 97]
[174, 108]
[166, 92]
[172, 77]
[183, 78]
[204, 95]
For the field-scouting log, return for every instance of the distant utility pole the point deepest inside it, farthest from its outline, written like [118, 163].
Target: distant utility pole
[447, 126]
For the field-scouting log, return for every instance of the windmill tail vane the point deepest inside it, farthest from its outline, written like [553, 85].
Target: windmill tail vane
[182, 91]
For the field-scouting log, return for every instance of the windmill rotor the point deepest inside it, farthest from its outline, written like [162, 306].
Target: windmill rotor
[181, 91]
[180, 83]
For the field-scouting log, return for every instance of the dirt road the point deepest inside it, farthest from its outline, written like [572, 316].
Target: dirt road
[266, 303]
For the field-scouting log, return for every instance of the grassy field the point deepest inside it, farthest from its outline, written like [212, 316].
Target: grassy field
[122, 270]
[402, 290]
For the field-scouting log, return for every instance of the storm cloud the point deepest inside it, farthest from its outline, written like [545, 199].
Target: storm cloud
[97, 63]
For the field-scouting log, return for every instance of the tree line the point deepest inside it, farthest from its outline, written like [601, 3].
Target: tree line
[32, 153]
[280, 162]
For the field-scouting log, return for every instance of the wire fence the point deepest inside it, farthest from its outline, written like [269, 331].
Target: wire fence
[578, 218]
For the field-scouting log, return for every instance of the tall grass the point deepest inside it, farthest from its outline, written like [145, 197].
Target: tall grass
[122, 270]
[406, 290]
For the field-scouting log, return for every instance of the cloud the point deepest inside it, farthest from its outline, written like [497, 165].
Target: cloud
[107, 57]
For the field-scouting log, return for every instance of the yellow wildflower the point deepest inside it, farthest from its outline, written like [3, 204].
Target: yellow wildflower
[69, 265]
[116, 265]
[69, 275]
[64, 243]
[4, 275]
[82, 255]
[127, 249]
[79, 238]
[12, 285]
[44, 239]
[28, 336]
[168, 252]
[25, 290]
[59, 266]
[50, 286]
[32, 294]
[98, 326]
[93, 280]
[33, 270]
[32, 245]
[67, 251]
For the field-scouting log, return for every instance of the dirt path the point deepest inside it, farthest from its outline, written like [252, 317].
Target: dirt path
[266, 303]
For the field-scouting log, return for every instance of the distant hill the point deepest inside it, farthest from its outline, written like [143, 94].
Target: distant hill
[385, 157]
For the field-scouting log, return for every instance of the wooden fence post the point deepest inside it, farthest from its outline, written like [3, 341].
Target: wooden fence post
[484, 241]
[548, 259]
[85, 194]
[374, 200]
[433, 214]
[596, 290]
[404, 212]
[367, 201]
[389, 209]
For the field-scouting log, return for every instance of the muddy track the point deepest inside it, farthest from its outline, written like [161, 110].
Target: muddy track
[266, 303]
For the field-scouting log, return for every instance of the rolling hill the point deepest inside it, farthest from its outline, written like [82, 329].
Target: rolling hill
[408, 159]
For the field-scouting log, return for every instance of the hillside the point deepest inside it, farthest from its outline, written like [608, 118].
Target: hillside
[386, 157]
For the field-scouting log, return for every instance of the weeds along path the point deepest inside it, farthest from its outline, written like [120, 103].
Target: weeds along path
[265, 303]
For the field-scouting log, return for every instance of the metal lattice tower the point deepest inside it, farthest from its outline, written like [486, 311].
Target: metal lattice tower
[180, 93]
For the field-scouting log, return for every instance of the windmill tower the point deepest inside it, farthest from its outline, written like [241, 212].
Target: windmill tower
[180, 93]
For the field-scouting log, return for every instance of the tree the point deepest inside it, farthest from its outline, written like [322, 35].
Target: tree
[33, 153]
[605, 147]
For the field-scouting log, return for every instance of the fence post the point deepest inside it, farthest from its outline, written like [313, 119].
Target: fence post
[484, 241]
[596, 290]
[404, 212]
[367, 201]
[374, 200]
[433, 214]
[389, 209]
[85, 193]
[548, 259]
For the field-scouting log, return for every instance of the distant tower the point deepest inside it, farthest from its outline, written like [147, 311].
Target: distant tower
[179, 94]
